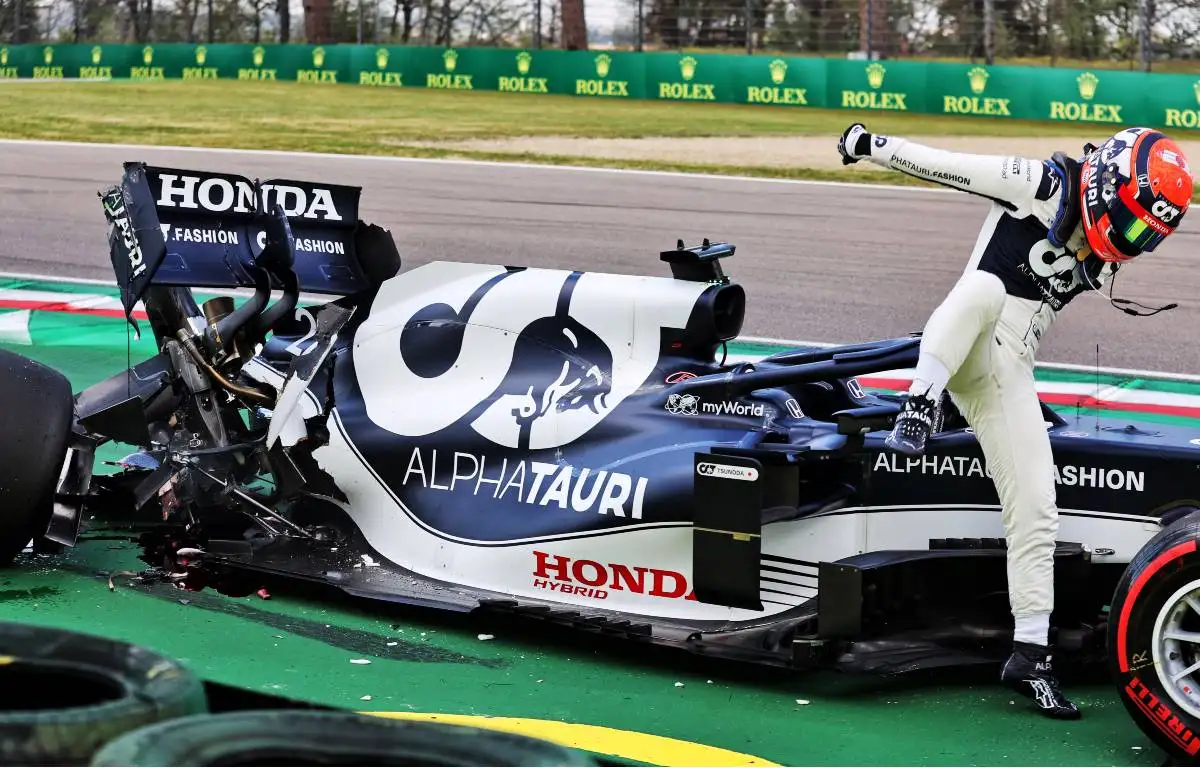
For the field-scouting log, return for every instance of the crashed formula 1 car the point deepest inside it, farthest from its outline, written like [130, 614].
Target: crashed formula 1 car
[574, 446]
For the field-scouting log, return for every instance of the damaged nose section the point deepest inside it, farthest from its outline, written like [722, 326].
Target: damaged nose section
[285, 419]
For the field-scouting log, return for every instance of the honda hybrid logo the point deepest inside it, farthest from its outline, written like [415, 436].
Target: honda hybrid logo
[218, 195]
[726, 471]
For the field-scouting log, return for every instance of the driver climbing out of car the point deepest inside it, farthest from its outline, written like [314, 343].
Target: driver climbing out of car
[1056, 228]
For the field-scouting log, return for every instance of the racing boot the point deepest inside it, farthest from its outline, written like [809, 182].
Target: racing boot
[913, 426]
[1029, 673]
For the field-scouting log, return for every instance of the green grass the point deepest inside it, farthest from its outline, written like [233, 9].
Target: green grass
[360, 120]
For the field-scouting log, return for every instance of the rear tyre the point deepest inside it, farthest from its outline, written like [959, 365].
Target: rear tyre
[63, 694]
[1154, 638]
[299, 737]
[35, 426]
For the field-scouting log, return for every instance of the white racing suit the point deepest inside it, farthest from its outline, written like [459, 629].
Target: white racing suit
[984, 336]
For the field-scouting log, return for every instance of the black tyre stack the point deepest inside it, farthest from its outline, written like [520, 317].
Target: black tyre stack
[74, 699]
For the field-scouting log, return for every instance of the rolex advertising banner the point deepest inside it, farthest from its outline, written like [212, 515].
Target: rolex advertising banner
[967, 89]
[1174, 102]
[606, 74]
[454, 69]
[1097, 96]
[290, 63]
[894, 86]
[381, 67]
[690, 77]
[324, 63]
[524, 71]
[16, 61]
[778, 81]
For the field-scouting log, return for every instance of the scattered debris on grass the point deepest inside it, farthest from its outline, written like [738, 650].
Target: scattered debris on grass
[365, 698]
[360, 661]
[113, 587]
[392, 644]
[678, 685]
[803, 702]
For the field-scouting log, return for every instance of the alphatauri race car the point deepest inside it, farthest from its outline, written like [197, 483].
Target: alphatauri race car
[575, 447]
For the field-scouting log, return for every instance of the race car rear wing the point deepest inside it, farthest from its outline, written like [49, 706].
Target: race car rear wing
[199, 229]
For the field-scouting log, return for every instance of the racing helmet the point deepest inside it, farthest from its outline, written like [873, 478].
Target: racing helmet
[1136, 188]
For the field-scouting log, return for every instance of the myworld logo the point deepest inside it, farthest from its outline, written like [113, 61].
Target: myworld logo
[691, 405]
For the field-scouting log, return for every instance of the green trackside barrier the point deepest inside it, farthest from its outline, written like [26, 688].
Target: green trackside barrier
[1029, 93]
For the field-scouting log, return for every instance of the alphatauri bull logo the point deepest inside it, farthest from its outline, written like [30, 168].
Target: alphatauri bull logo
[558, 365]
[525, 358]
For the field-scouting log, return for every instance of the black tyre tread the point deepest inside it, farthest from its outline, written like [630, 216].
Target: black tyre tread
[326, 738]
[35, 425]
[1182, 530]
[153, 688]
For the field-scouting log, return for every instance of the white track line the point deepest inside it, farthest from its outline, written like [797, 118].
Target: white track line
[304, 297]
[485, 164]
[1074, 368]
[1126, 372]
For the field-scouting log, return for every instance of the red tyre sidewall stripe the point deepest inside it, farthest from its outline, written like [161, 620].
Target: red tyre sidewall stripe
[1156, 565]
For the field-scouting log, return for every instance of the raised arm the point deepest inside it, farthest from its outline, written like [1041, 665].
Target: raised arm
[1014, 182]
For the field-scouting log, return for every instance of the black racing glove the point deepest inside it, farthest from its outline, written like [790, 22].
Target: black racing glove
[855, 144]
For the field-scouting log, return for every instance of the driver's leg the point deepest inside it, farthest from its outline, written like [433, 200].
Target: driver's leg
[997, 395]
[967, 314]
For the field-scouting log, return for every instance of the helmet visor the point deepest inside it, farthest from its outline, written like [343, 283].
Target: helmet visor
[1133, 224]
[1137, 234]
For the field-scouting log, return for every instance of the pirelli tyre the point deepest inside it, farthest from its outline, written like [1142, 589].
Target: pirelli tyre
[35, 425]
[1154, 638]
[305, 737]
[64, 694]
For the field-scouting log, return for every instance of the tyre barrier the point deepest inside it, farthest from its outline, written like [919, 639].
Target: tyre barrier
[290, 737]
[63, 695]
[68, 698]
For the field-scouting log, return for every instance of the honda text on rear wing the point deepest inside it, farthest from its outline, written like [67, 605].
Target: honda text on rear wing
[171, 227]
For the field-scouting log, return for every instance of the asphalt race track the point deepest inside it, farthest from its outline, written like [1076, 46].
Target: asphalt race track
[820, 262]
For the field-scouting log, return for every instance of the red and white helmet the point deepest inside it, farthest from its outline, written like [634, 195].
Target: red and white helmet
[1136, 188]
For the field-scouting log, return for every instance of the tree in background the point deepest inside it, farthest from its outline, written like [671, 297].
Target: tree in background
[318, 21]
[406, 9]
[1035, 30]
[574, 26]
